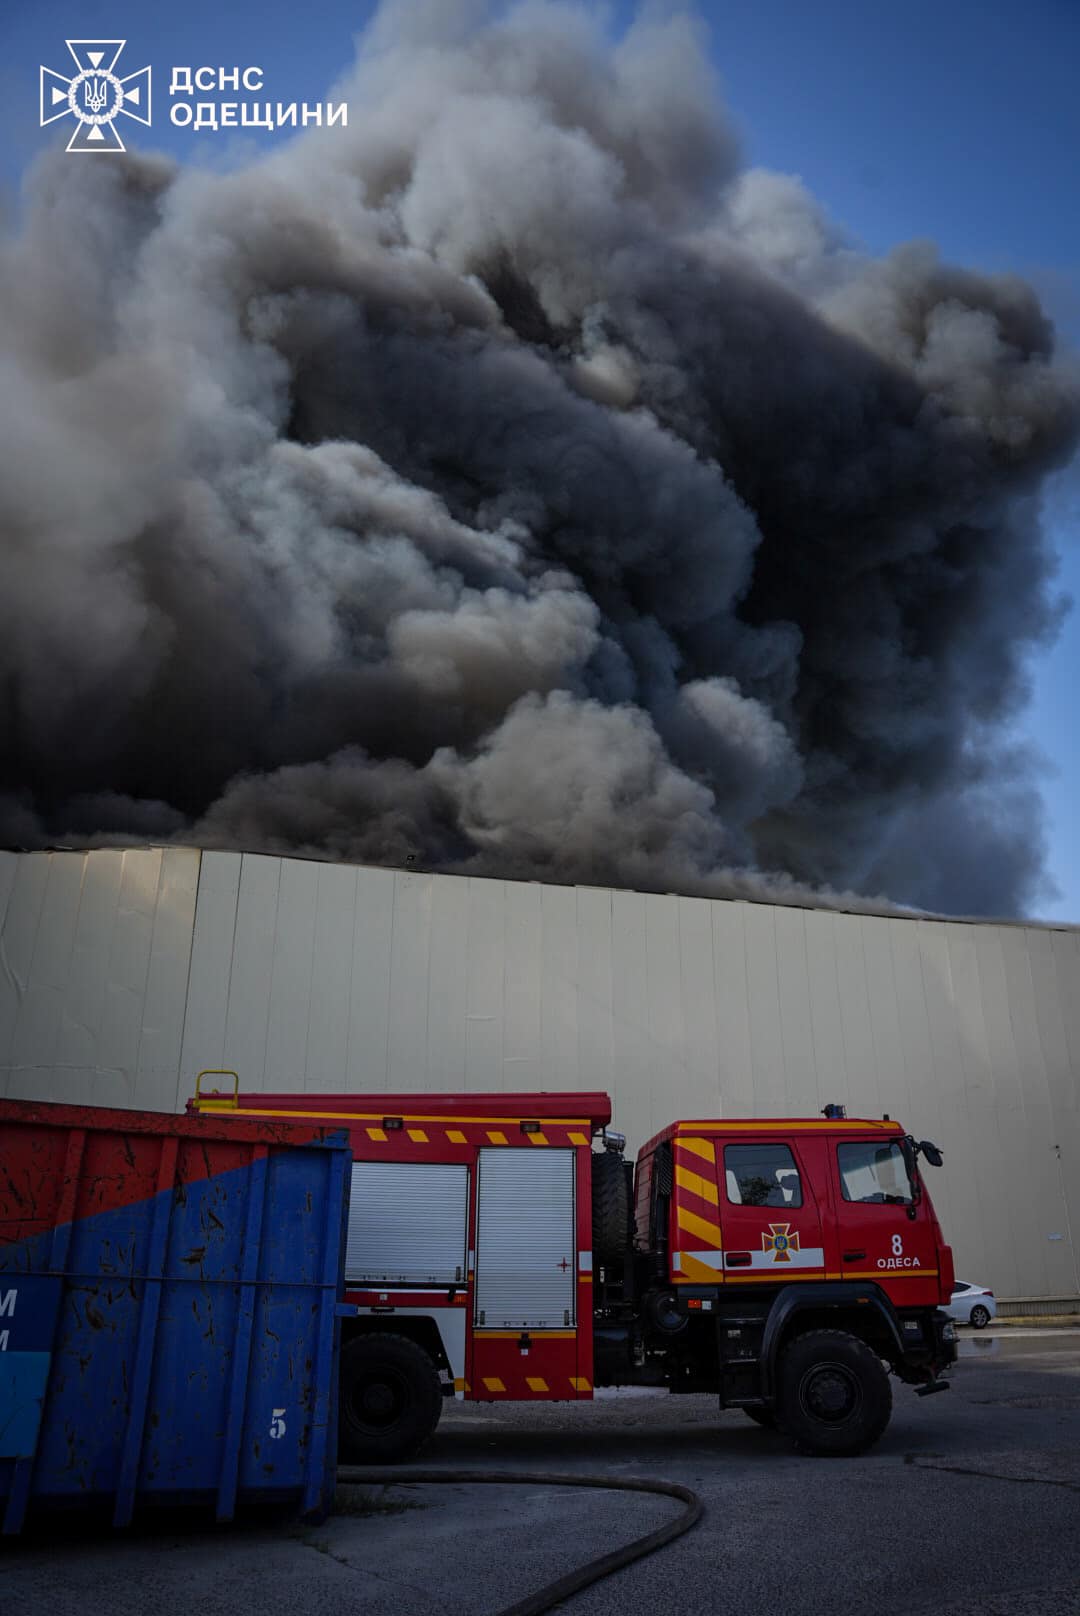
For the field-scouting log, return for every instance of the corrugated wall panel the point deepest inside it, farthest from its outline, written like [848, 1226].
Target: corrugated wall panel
[369, 1005]
[291, 976]
[212, 954]
[855, 1019]
[1064, 1082]
[635, 1058]
[77, 1046]
[447, 987]
[484, 992]
[914, 1067]
[524, 1066]
[558, 988]
[830, 1058]
[919, 1108]
[16, 953]
[127, 976]
[306, 974]
[796, 1021]
[697, 976]
[331, 978]
[1025, 1188]
[247, 1015]
[41, 1009]
[669, 1075]
[409, 963]
[9, 865]
[888, 1077]
[1048, 1261]
[596, 1023]
[162, 1032]
[95, 950]
[732, 1009]
[769, 1086]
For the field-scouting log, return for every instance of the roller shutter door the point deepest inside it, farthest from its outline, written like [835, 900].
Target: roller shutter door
[525, 1251]
[408, 1224]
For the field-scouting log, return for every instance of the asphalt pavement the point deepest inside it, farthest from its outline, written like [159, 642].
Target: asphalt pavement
[971, 1503]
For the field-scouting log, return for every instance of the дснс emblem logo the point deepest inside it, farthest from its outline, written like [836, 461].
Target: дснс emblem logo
[95, 96]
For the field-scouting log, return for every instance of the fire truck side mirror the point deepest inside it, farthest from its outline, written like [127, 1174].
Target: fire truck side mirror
[911, 1161]
[931, 1152]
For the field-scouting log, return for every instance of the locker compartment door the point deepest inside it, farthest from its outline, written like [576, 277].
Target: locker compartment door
[408, 1223]
[526, 1257]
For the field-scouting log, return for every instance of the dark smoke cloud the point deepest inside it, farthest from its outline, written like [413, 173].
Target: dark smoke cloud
[512, 483]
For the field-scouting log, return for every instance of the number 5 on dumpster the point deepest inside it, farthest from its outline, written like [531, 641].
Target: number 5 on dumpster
[277, 1424]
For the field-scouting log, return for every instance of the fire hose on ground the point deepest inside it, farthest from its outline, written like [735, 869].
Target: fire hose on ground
[582, 1576]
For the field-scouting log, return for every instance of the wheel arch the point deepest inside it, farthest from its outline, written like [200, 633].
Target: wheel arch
[420, 1328]
[861, 1310]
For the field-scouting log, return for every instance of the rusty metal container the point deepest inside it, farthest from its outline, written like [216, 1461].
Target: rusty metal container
[168, 1294]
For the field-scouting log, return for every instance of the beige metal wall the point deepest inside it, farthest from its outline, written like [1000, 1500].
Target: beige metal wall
[94, 956]
[321, 976]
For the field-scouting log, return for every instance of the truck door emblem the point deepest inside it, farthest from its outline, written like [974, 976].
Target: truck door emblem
[780, 1241]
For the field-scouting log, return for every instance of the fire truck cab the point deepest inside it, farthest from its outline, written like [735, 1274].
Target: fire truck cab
[501, 1248]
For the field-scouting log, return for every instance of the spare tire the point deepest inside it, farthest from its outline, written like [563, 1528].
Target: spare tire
[611, 1212]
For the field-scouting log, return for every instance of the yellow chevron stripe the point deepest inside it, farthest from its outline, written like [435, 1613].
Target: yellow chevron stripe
[496, 1137]
[692, 1269]
[697, 1185]
[706, 1231]
[537, 1138]
[492, 1383]
[377, 1134]
[417, 1135]
[698, 1147]
[578, 1139]
[580, 1384]
[456, 1137]
[535, 1384]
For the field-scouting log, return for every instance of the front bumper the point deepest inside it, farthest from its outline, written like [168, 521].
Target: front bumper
[944, 1340]
[929, 1347]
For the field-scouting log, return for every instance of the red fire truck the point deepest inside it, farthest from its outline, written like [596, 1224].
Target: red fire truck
[501, 1248]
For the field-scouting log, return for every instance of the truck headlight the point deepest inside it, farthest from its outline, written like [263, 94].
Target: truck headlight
[948, 1332]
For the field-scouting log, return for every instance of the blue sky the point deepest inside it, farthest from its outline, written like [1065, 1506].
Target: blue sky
[958, 121]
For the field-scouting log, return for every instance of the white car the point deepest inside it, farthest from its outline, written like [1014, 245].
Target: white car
[972, 1304]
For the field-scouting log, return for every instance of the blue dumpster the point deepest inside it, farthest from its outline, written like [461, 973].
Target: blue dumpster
[168, 1293]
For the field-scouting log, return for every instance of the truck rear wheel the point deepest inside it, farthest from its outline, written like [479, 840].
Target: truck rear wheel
[833, 1393]
[390, 1399]
[610, 1206]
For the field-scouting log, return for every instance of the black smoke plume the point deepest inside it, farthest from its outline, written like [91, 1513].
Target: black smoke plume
[512, 483]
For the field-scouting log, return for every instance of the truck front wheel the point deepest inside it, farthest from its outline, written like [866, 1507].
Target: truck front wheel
[390, 1399]
[833, 1393]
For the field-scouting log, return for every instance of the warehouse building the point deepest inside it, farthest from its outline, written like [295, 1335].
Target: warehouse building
[124, 972]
